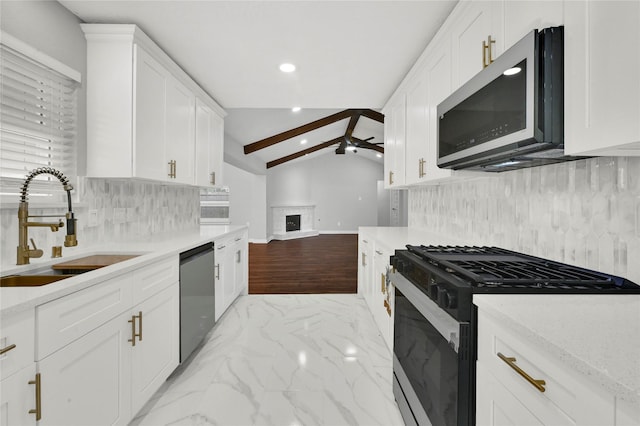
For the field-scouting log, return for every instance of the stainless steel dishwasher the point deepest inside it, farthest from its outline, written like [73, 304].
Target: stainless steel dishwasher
[197, 297]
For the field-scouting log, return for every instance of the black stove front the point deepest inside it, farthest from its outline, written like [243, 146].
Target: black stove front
[449, 275]
[435, 322]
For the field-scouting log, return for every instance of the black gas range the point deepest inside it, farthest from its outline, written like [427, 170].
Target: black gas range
[449, 275]
[435, 321]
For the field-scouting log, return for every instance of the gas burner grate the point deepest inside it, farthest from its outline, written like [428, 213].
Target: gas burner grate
[471, 250]
[528, 272]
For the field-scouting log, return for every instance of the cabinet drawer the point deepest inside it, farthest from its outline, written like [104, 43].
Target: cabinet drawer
[64, 320]
[153, 278]
[16, 330]
[565, 397]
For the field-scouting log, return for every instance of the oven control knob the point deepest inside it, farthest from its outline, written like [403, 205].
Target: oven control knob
[447, 299]
[451, 300]
[433, 291]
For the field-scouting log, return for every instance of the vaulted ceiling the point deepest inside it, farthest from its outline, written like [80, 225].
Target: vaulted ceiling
[349, 55]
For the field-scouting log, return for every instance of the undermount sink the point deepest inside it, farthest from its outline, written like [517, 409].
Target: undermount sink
[30, 280]
[63, 270]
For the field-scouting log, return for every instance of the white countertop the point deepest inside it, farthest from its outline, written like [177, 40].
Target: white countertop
[398, 237]
[17, 299]
[596, 335]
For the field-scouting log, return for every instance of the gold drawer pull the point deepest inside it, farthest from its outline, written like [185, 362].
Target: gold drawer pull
[511, 362]
[7, 349]
[38, 410]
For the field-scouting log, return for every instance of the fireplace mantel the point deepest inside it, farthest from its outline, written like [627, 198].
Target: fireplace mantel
[307, 221]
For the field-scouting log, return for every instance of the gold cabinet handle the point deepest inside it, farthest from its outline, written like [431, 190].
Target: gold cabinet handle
[511, 362]
[364, 262]
[133, 328]
[486, 52]
[421, 167]
[383, 284]
[390, 178]
[7, 349]
[213, 178]
[172, 169]
[38, 410]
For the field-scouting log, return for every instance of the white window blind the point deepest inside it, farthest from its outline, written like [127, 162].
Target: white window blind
[38, 119]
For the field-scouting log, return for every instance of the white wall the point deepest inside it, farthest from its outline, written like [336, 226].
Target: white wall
[342, 187]
[55, 31]
[247, 200]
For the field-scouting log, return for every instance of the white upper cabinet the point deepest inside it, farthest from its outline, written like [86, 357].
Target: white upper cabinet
[394, 142]
[602, 88]
[209, 145]
[180, 132]
[149, 126]
[476, 37]
[417, 131]
[522, 17]
[141, 110]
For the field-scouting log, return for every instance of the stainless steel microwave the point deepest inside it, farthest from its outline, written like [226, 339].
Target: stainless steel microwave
[511, 114]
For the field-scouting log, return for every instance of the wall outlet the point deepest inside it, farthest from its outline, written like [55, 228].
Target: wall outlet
[92, 219]
[119, 215]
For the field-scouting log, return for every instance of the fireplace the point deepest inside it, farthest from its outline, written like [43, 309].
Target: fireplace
[292, 222]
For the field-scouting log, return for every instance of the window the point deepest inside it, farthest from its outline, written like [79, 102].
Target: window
[38, 118]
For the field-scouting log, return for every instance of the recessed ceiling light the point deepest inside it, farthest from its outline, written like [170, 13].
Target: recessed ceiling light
[303, 141]
[287, 67]
[512, 71]
[379, 155]
[296, 109]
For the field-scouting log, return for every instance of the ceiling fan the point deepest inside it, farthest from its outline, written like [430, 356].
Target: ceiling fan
[344, 141]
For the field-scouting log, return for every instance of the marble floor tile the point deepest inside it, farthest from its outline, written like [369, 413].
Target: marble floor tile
[283, 360]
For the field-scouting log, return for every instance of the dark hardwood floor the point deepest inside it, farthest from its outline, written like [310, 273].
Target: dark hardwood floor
[326, 263]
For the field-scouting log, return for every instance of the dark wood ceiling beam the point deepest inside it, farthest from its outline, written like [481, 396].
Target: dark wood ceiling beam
[374, 115]
[292, 133]
[303, 152]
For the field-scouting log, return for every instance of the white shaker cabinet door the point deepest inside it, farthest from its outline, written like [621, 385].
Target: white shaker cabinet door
[180, 137]
[417, 130]
[149, 120]
[18, 397]
[156, 353]
[477, 22]
[602, 88]
[88, 381]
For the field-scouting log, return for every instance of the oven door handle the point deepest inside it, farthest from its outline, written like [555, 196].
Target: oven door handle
[447, 326]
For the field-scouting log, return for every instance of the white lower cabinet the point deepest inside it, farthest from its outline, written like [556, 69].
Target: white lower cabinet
[383, 292]
[156, 353]
[231, 270]
[496, 405]
[509, 388]
[372, 286]
[88, 382]
[103, 351]
[17, 397]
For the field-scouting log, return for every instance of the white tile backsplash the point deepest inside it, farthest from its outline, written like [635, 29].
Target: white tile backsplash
[126, 210]
[584, 212]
